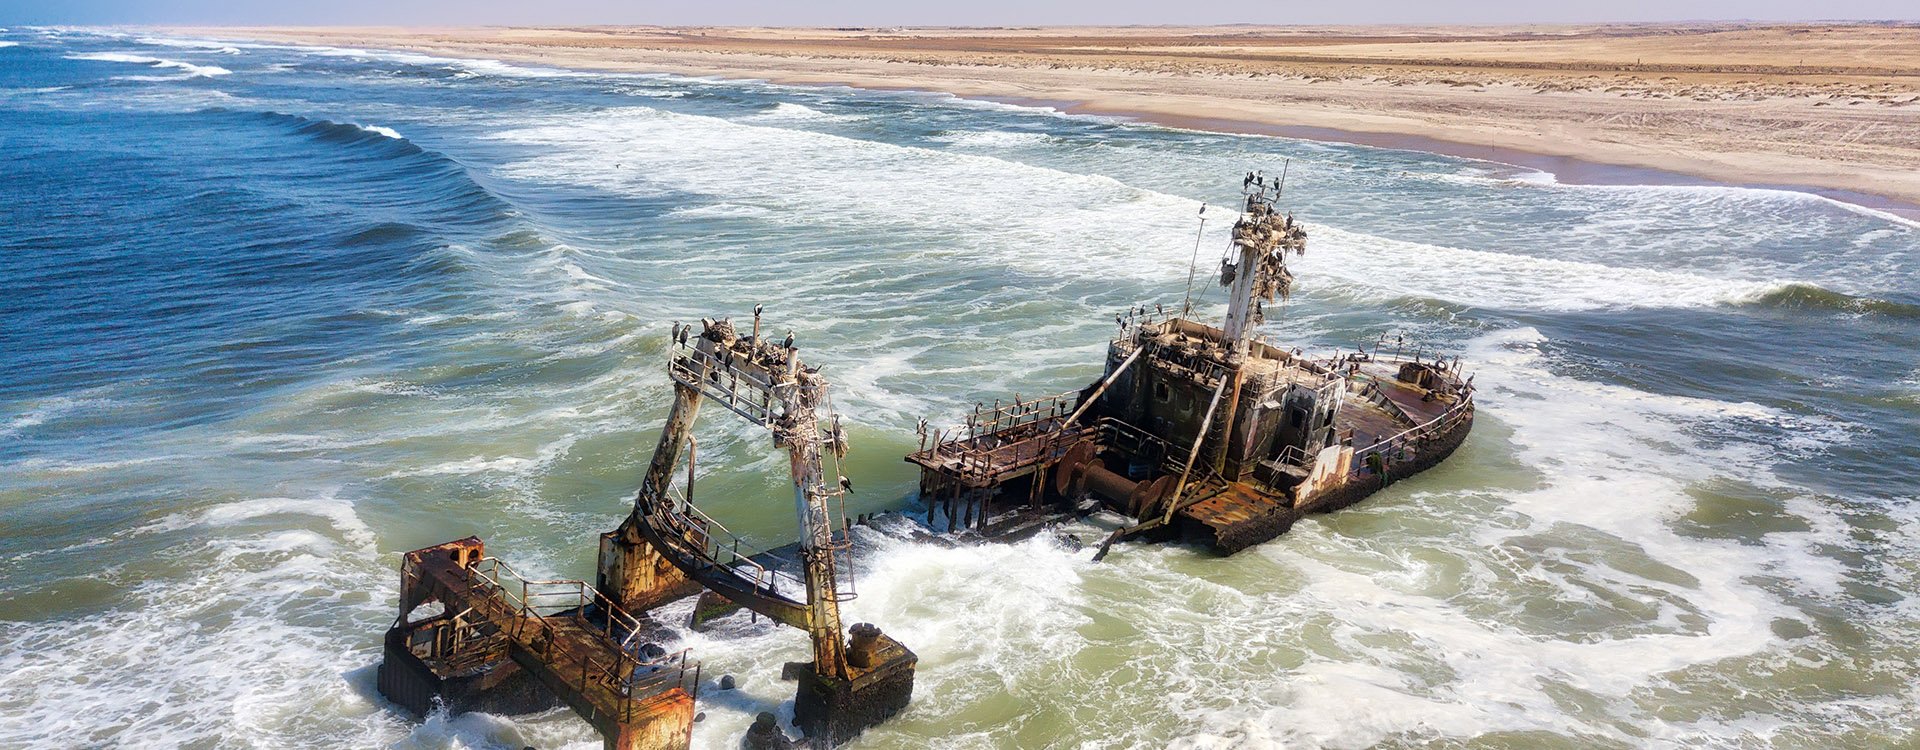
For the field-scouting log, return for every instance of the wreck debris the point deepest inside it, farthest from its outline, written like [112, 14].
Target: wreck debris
[849, 685]
[504, 643]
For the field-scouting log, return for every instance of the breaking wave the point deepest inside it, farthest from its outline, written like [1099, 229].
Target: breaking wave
[191, 70]
[217, 47]
[1815, 297]
[1510, 281]
[345, 133]
[791, 112]
[993, 138]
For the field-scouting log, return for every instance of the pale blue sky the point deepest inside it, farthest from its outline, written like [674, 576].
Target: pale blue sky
[947, 12]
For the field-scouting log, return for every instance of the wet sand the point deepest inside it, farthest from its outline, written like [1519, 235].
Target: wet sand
[1834, 109]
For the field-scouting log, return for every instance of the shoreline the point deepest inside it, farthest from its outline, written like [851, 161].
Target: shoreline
[1566, 170]
[1573, 157]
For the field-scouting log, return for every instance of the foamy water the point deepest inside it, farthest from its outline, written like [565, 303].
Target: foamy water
[277, 324]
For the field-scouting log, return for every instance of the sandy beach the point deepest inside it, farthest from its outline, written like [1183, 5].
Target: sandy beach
[1835, 108]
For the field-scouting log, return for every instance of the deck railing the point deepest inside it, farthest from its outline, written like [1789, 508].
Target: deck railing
[719, 548]
[625, 669]
[1439, 424]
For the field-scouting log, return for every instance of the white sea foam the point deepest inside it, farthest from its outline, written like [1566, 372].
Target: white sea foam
[1025, 613]
[511, 70]
[1043, 219]
[994, 138]
[1437, 637]
[654, 94]
[244, 627]
[952, 100]
[4, 44]
[367, 54]
[191, 70]
[720, 210]
[38, 412]
[224, 48]
[1511, 281]
[791, 112]
[982, 207]
[474, 66]
[1722, 192]
[381, 130]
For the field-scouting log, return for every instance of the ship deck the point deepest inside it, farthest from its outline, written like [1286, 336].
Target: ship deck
[1398, 406]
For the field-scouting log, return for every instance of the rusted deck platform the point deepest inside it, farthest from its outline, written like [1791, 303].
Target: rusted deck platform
[1234, 517]
[503, 642]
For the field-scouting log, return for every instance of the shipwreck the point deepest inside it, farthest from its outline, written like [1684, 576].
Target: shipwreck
[1199, 433]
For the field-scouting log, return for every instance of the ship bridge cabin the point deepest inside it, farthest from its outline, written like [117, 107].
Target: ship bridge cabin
[1281, 415]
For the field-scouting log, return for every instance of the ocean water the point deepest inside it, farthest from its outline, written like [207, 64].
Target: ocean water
[271, 316]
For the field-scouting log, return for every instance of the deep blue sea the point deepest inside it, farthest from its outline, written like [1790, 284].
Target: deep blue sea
[270, 316]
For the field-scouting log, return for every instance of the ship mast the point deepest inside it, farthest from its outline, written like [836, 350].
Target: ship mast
[798, 430]
[1238, 277]
[1261, 239]
[1256, 272]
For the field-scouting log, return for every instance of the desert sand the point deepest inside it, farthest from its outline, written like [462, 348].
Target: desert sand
[1832, 107]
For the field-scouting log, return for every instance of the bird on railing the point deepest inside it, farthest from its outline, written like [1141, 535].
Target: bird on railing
[845, 483]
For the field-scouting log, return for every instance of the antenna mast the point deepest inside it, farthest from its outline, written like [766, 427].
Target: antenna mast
[1186, 304]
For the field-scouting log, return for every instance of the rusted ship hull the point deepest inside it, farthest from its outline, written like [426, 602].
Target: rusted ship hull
[1227, 531]
[1008, 479]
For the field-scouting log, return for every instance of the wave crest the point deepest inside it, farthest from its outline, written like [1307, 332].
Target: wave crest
[191, 70]
[347, 133]
[1804, 296]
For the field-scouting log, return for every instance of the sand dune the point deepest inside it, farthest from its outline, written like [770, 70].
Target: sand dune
[1822, 106]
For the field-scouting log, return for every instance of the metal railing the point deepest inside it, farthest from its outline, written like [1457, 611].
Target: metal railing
[1003, 419]
[722, 551]
[975, 449]
[1399, 441]
[631, 676]
[1294, 455]
[721, 381]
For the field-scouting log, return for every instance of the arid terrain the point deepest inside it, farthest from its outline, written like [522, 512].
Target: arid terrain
[1822, 106]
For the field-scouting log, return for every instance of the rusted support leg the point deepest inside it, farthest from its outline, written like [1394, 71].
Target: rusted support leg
[946, 503]
[635, 575]
[878, 684]
[631, 572]
[664, 723]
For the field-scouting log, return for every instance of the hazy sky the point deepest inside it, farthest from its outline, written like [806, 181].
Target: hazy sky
[920, 12]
